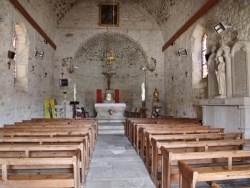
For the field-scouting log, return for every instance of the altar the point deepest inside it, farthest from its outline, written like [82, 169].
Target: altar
[110, 112]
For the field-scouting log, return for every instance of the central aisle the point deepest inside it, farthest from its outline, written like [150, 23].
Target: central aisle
[115, 164]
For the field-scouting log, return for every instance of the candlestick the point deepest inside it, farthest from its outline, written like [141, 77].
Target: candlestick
[74, 92]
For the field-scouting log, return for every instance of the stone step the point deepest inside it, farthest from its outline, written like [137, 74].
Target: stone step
[103, 127]
[111, 128]
[109, 131]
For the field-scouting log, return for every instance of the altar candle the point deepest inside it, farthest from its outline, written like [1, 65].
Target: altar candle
[74, 92]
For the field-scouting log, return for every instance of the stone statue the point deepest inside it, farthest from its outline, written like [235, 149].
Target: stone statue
[221, 76]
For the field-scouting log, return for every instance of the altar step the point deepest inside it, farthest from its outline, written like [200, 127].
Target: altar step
[110, 128]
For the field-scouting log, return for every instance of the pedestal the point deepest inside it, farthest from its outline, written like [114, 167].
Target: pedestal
[74, 103]
[233, 114]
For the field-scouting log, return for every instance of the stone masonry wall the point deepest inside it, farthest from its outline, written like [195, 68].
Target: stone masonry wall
[137, 25]
[182, 96]
[16, 105]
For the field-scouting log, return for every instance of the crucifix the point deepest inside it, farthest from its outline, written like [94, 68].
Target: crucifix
[108, 75]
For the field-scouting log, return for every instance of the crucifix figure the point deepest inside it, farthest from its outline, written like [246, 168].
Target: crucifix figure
[109, 76]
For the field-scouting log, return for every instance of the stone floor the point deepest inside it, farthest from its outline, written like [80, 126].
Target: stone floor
[115, 164]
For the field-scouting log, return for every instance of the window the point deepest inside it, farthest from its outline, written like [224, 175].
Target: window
[15, 50]
[203, 56]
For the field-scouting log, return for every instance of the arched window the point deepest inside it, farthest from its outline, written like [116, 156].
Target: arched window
[21, 43]
[14, 42]
[143, 95]
[203, 56]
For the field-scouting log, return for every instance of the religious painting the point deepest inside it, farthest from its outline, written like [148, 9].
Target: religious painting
[109, 14]
[49, 106]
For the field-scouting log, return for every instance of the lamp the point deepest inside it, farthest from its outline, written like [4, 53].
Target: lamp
[110, 55]
[39, 54]
[182, 52]
[71, 68]
[220, 27]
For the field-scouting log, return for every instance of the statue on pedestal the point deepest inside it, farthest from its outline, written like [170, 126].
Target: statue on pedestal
[221, 76]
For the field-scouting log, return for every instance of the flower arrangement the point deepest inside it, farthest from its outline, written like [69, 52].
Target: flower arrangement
[111, 111]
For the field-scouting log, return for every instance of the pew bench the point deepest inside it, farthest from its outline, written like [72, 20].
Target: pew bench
[45, 151]
[189, 176]
[53, 180]
[139, 127]
[171, 153]
[155, 149]
[166, 140]
[147, 134]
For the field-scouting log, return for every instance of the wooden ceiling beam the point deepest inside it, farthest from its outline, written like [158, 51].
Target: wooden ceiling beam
[190, 22]
[21, 9]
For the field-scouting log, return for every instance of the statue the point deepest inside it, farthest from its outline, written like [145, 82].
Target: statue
[221, 76]
[156, 94]
[109, 76]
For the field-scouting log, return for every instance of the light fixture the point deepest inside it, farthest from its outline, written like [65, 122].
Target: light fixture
[110, 55]
[39, 54]
[71, 68]
[220, 27]
[182, 52]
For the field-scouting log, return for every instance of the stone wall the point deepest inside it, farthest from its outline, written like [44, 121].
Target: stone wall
[17, 104]
[79, 25]
[182, 95]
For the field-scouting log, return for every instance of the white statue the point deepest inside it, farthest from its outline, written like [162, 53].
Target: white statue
[221, 76]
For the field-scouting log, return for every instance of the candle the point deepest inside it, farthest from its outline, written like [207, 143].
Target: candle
[74, 92]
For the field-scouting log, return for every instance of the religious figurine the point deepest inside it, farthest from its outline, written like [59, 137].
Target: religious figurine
[109, 76]
[221, 76]
[156, 94]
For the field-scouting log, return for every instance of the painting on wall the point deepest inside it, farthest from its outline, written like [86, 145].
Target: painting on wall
[109, 14]
[49, 106]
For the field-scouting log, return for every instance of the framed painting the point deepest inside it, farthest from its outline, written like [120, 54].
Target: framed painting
[109, 14]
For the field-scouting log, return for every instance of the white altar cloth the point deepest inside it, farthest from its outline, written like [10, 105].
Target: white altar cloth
[110, 111]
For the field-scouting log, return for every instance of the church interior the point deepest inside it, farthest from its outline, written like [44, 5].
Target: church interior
[117, 77]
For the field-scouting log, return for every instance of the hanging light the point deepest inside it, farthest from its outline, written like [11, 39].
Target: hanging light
[110, 55]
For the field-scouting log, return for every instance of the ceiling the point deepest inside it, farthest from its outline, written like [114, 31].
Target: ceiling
[159, 9]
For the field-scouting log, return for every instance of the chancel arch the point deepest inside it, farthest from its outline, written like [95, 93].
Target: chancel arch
[127, 74]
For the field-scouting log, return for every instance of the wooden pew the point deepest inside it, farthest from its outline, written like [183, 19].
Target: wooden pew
[147, 133]
[166, 135]
[42, 151]
[157, 143]
[189, 176]
[49, 131]
[136, 126]
[138, 130]
[172, 152]
[77, 141]
[40, 180]
[130, 122]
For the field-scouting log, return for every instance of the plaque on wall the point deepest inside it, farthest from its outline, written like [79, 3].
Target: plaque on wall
[241, 69]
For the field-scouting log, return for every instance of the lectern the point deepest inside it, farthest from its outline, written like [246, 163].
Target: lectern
[74, 103]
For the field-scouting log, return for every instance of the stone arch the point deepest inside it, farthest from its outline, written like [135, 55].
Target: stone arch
[22, 57]
[99, 42]
[128, 77]
[196, 57]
